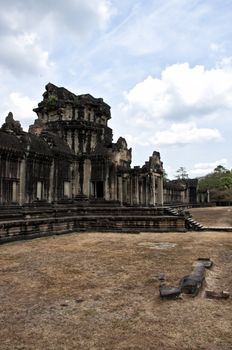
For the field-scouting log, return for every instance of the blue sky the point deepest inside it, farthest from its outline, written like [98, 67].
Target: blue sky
[165, 67]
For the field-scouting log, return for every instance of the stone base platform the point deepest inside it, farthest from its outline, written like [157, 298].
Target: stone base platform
[32, 222]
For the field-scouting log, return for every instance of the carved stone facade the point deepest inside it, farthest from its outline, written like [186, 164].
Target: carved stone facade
[68, 154]
[184, 191]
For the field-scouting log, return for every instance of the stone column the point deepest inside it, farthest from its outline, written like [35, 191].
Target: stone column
[152, 190]
[140, 193]
[69, 139]
[136, 190]
[131, 190]
[14, 192]
[39, 190]
[76, 142]
[160, 199]
[51, 179]
[125, 190]
[22, 181]
[106, 183]
[92, 189]
[120, 189]
[67, 187]
[146, 191]
[86, 176]
[128, 190]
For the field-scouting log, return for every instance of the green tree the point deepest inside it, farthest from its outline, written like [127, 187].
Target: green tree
[181, 174]
[225, 182]
[165, 175]
[220, 169]
[219, 183]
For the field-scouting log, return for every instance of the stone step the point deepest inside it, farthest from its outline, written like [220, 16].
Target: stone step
[215, 228]
[72, 210]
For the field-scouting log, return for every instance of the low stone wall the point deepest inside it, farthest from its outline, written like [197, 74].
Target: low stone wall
[117, 220]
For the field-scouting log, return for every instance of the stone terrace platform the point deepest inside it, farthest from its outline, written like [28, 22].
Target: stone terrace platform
[36, 221]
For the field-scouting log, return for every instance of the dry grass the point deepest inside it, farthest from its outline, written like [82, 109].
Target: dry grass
[100, 291]
[215, 216]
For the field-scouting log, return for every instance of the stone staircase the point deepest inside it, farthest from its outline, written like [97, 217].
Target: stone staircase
[190, 223]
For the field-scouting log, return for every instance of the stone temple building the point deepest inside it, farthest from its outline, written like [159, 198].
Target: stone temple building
[69, 155]
[67, 175]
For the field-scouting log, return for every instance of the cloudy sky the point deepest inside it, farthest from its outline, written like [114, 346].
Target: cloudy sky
[164, 66]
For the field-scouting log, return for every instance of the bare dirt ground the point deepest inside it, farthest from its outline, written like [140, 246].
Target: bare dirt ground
[214, 216]
[100, 291]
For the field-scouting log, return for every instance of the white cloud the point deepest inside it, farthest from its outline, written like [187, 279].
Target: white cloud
[21, 106]
[201, 169]
[23, 53]
[29, 35]
[105, 11]
[185, 133]
[183, 92]
[182, 106]
[216, 47]
[23, 103]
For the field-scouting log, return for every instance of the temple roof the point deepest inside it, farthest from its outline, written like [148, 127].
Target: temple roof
[63, 94]
[35, 144]
[10, 142]
[45, 145]
[56, 144]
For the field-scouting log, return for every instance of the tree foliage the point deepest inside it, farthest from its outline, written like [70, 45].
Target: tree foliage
[219, 183]
[220, 169]
[181, 174]
[165, 175]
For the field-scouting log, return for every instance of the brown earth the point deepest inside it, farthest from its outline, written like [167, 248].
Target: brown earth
[100, 291]
[214, 216]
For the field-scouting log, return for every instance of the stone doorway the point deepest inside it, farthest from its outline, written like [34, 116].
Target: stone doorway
[99, 189]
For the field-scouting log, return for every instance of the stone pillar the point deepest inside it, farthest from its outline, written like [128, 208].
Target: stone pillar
[152, 190]
[125, 194]
[86, 177]
[136, 190]
[14, 192]
[146, 191]
[92, 189]
[128, 191]
[140, 193]
[22, 182]
[160, 199]
[131, 190]
[51, 182]
[76, 142]
[120, 198]
[106, 183]
[39, 190]
[69, 139]
[67, 187]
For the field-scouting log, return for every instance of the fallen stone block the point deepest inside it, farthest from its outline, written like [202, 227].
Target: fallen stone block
[169, 292]
[190, 285]
[206, 262]
[216, 295]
